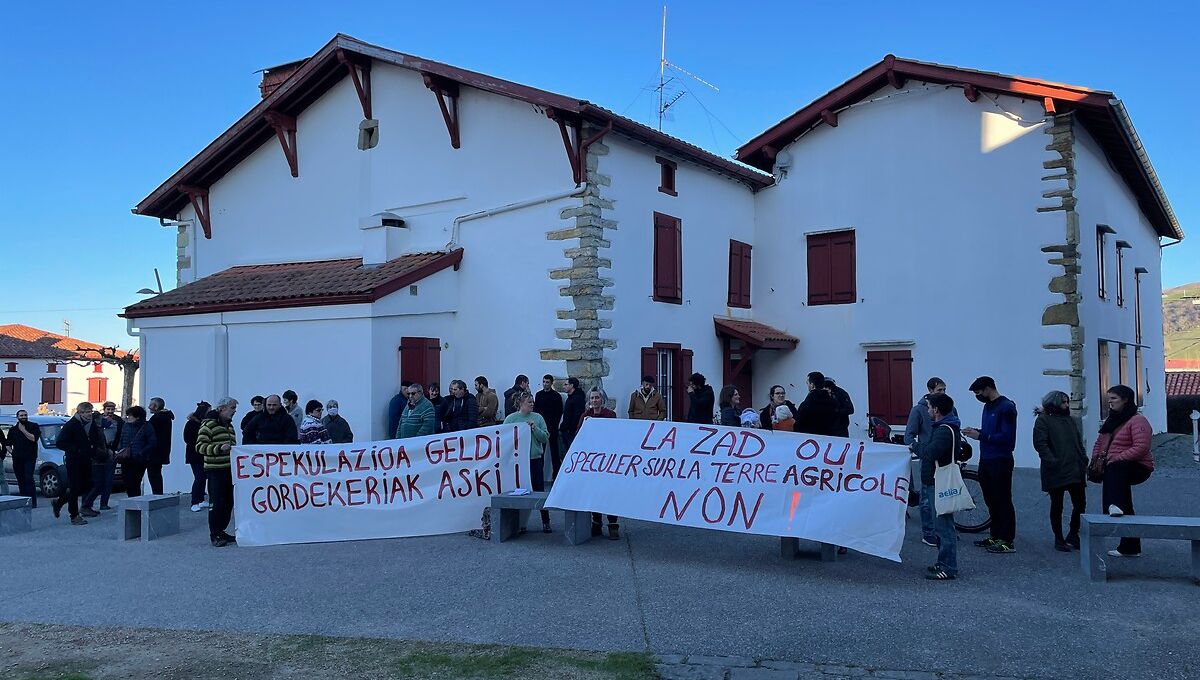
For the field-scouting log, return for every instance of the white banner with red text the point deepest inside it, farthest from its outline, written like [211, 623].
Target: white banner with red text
[846, 492]
[420, 486]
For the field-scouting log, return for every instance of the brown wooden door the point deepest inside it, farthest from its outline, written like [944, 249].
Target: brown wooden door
[889, 385]
[420, 360]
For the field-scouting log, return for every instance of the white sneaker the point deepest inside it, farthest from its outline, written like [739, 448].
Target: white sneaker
[1114, 511]
[196, 508]
[206, 505]
[1118, 553]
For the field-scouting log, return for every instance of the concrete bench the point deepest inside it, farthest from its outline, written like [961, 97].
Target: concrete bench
[16, 515]
[147, 517]
[509, 514]
[1093, 554]
[789, 549]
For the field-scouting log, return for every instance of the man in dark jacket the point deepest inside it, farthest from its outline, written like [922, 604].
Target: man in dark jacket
[23, 438]
[997, 435]
[548, 403]
[939, 451]
[816, 414]
[396, 406]
[160, 420]
[80, 440]
[572, 412]
[104, 467]
[700, 400]
[256, 407]
[460, 410]
[273, 426]
[843, 409]
[520, 384]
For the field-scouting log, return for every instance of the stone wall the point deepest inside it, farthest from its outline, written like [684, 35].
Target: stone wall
[1060, 188]
[585, 297]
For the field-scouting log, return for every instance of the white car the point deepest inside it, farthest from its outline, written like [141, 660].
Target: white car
[49, 473]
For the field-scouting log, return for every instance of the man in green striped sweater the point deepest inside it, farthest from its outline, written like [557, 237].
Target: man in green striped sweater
[215, 440]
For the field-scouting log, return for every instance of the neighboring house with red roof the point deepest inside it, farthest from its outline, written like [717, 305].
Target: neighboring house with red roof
[52, 372]
[380, 216]
[1183, 383]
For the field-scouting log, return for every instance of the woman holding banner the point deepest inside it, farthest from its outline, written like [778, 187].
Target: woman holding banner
[597, 409]
[523, 403]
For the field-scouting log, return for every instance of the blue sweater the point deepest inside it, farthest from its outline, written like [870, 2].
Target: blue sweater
[998, 430]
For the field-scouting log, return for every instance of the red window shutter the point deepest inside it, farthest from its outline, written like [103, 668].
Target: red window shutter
[668, 259]
[820, 276]
[879, 381]
[900, 374]
[433, 361]
[739, 274]
[683, 371]
[842, 266]
[10, 391]
[97, 390]
[746, 249]
[420, 360]
[649, 362]
[52, 390]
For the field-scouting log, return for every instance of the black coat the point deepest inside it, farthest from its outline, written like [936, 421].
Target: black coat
[272, 429]
[190, 429]
[572, 412]
[161, 422]
[817, 414]
[338, 429]
[23, 449]
[1060, 446]
[549, 405]
[844, 408]
[731, 416]
[77, 445]
[460, 414]
[250, 415]
[700, 406]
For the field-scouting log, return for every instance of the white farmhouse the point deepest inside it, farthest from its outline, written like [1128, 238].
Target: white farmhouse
[380, 216]
[52, 372]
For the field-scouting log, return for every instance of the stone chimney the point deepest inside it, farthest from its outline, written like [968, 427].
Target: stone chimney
[274, 76]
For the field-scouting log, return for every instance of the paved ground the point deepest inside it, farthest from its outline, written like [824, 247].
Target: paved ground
[674, 591]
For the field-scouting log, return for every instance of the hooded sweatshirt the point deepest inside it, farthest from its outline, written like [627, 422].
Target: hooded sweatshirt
[998, 429]
[939, 448]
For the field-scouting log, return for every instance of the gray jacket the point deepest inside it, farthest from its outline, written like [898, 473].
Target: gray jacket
[920, 425]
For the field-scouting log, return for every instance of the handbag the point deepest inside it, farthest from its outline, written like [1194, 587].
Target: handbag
[123, 455]
[1095, 471]
[949, 493]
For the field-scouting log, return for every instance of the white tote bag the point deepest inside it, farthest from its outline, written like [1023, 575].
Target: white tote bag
[949, 492]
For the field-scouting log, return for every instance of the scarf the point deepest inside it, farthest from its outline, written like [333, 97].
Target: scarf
[1116, 419]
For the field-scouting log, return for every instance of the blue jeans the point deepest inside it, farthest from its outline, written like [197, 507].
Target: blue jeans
[947, 536]
[926, 506]
[102, 481]
[198, 480]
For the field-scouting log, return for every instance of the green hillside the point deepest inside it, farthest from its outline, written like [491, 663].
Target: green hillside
[1181, 322]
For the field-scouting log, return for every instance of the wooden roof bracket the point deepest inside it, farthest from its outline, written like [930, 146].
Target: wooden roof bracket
[199, 199]
[895, 79]
[1048, 104]
[444, 89]
[360, 73]
[285, 129]
[574, 142]
[830, 118]
[970, 92]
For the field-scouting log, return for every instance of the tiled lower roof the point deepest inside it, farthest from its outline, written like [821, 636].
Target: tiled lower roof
[294, 284]
[755, 333]
[1183, 383]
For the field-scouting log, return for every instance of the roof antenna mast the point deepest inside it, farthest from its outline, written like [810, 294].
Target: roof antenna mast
[663, 81]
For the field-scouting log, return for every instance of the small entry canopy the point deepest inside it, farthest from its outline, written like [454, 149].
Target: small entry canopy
[756, 335]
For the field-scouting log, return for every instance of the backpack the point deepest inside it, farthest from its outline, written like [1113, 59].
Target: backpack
[879, 430]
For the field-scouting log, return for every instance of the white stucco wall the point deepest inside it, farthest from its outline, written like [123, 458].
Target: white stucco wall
[75, 384]
[1104, 198]
[942, 195]
[713, 209]
[509, 152]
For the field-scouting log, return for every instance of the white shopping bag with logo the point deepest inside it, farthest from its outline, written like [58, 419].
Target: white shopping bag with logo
[949, 493]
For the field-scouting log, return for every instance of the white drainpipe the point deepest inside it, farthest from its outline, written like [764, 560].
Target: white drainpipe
[454, 231]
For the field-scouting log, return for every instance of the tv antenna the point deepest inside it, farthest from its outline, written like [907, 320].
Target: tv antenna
[666, 101]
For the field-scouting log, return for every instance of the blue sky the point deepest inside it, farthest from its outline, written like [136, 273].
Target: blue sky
[105, 100]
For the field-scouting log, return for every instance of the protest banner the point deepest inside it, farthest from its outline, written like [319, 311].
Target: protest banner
[846, 492]
[420, 486]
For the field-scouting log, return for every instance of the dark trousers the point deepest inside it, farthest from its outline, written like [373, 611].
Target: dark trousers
[79, 482]
[1119, 479]
[556, 457]
[220, 492]
[131, 475]
[23, 468]
[154, 476]
[995, 480]
[102, 481]
[199, 478]
[1078, 495]
[537, 481]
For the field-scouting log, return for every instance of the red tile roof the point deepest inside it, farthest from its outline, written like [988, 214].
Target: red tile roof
[324, 69]
[1100, 112]
[1183, 364]
[19, 341]
[294, 284]
[757, 334]
[1183, 383]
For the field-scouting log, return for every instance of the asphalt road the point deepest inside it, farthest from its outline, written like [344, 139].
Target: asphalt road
[672, 590]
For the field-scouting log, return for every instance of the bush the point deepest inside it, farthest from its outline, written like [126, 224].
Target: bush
[1179, 413]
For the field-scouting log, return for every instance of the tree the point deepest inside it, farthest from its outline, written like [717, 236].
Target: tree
[128, 361]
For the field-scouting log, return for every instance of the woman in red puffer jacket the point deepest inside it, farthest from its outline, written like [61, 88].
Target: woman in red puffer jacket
[1124, 443]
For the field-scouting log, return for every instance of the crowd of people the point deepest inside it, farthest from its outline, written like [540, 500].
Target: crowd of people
[139, 442]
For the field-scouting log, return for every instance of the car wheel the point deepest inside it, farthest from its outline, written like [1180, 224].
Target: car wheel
[51, 482]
